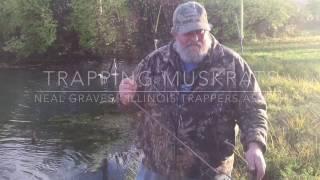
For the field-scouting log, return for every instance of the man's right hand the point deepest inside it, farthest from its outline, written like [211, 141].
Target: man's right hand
[127, 90]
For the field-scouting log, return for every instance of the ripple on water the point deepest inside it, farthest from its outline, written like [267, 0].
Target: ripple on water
[21, 160]
[52, 156]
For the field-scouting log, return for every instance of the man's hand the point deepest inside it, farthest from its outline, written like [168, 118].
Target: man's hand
[255, 159]
[127, 90]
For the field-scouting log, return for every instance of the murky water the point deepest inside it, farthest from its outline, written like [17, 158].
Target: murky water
[51, 138]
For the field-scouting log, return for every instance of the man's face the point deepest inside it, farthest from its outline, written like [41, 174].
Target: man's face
[193, 46]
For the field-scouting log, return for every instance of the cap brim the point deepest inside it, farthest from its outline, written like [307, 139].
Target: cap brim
[193, 27]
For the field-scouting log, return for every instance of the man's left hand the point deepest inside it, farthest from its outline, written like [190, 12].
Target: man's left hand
[255, 160]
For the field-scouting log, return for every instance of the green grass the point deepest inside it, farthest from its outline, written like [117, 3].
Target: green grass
[291, 85]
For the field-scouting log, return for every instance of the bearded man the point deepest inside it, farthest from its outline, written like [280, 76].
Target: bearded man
[189, 138]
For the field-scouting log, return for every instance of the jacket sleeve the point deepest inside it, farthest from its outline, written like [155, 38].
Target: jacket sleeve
[251, 107]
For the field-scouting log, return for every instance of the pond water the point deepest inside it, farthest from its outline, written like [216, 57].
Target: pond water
[62, 130]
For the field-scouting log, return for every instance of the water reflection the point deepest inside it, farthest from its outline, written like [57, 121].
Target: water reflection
[59, 140]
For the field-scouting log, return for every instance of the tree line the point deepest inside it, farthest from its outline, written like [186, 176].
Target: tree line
[127, 28]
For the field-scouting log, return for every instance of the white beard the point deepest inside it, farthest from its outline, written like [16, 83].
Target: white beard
[194, 53]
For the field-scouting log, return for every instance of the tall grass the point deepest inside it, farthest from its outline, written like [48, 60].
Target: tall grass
[289, 74]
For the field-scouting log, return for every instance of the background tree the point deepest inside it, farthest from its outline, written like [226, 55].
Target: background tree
[67, 40]
[314, 8]
[27, 26]
[102, 25]
[127, 28]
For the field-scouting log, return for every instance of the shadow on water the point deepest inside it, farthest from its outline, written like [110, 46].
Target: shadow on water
[69, 139]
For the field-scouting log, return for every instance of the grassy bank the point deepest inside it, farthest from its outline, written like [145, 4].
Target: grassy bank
[289, 74]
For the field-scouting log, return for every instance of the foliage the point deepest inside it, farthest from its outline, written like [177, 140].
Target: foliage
[314, 8]
[101, 23]
[223, 16]
[147, 27]
[27, 26]
[260, 17]
[267, 17]
[128, 27]
[84, 21]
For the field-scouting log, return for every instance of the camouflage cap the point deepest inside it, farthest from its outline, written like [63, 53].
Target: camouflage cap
[190, 16]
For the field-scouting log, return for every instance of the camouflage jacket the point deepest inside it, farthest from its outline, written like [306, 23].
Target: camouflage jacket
[224, 92]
